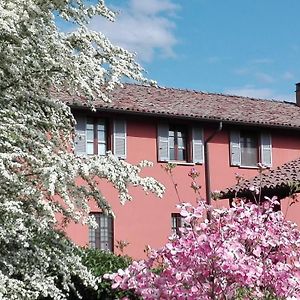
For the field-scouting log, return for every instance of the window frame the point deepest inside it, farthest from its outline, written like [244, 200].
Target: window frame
[194, 143]
[96, 122]
[184, 131]
[263, 147]
[95, 238]
[176, 223]
[112, 135]
[255, 136]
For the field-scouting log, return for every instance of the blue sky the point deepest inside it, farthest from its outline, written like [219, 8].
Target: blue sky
[248, 47]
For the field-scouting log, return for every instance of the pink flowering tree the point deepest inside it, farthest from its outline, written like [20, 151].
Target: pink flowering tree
[245, 252]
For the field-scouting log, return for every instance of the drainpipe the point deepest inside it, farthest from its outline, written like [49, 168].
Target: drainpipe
[206, 168]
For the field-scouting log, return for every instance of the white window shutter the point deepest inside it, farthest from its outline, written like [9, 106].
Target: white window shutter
[120, 138]
[163, 142]
[198, 150]
[80, 135]
[235, 148]
[266, 149]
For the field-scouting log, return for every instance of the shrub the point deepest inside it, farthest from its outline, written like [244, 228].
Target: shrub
[245, 252]
[99, 263]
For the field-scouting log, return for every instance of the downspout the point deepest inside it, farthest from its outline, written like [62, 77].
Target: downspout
[207, 170]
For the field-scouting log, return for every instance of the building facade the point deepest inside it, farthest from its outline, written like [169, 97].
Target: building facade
[173, 126]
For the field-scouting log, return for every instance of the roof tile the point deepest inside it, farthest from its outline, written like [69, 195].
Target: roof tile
[200, 105]
[282, 176]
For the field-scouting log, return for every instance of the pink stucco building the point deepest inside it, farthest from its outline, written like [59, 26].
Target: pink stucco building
[169, 125]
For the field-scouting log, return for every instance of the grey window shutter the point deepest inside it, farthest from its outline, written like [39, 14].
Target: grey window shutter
[163, 142]
[235, 148]
[197, 141]
[120, 138]
[80, 135]
[266, 149]
[110, 233]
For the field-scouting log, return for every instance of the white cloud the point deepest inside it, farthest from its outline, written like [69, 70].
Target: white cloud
[262, 93]
[288, 75]
[153, 7]
[261, 61]
[214, 59]
[145, 27]
[264, 77]
[242, 71]
[261, 77]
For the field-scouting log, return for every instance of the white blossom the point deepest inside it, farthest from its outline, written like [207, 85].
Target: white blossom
[38, 169]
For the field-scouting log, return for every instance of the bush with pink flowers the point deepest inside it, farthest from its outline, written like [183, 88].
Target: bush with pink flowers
[246, 252]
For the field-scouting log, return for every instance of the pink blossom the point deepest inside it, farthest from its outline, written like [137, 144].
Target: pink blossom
[254, 189]
[193, 173]
[247, 246]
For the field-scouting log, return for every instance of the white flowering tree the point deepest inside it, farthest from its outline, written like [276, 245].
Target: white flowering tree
[38, 170]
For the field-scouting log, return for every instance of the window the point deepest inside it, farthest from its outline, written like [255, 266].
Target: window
[96, 137]
[176, 220]
[102, 236]
[179, 143]
[248, 148]
[92, 136]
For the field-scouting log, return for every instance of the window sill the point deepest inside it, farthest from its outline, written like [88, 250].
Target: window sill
[179, 163]
[253, 167]
[85, 155]
[88, 155]
[248, 167]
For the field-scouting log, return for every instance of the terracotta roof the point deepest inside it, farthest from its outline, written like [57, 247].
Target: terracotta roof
[279, 179]
[199, 105]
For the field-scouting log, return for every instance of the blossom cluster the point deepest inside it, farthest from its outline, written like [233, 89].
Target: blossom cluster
[247, 247]
[38, 170]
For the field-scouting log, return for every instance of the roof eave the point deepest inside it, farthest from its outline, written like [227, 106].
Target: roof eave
[189, 117]
[280, 191]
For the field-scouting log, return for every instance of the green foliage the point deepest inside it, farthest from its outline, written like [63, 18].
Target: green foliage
[99, 263]
[245, 293]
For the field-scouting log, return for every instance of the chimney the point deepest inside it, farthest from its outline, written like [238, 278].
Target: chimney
[298, 93]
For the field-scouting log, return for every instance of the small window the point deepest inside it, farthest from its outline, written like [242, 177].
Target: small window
[96, 137]
[248, 148]
[180, 143]
[102, 236]
[92, 136]
[177, 143]
[176, 220]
